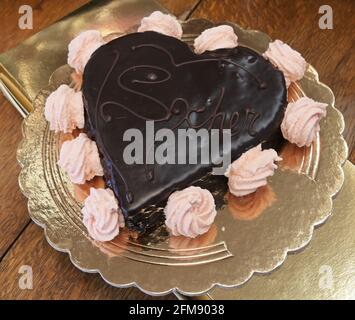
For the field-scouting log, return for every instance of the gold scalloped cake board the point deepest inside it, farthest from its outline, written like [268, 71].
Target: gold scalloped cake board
[250, 235]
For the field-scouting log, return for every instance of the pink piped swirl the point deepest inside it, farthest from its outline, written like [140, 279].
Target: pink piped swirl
[190, 212]
[287, 60]
[79, 158]
[82, 47]
[301, 121]
[101, 215]
[64, 110]
[162, 23]
[221, 37]
[251, 170]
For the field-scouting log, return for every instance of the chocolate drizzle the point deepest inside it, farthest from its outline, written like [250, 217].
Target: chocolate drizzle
[99, 109]
[151, 77]
[262, 85]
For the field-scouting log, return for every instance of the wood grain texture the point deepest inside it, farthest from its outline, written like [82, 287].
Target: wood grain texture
[13, 208]
[45, 12]
[54, 276]
[331, 52]
[181, 8]
[13, 205]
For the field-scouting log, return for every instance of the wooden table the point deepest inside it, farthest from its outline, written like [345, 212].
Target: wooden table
[331, 52]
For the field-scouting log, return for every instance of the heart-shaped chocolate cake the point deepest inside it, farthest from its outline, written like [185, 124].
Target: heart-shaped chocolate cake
[148, 77]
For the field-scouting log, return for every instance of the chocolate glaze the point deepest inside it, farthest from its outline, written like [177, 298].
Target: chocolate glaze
[150, 76]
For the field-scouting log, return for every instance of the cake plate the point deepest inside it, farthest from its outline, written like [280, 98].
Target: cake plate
[250, 235]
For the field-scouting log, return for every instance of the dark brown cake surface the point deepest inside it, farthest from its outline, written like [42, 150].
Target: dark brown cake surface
[147, 76]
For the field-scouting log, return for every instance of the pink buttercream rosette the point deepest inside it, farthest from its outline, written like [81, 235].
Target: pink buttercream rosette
[251, 170]
[64, 110]
[80, 159]
[221, 37]
[82, 47]
[287, 60]
[301, 121]
[161, 23]
[190, 212]
[102, 215]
